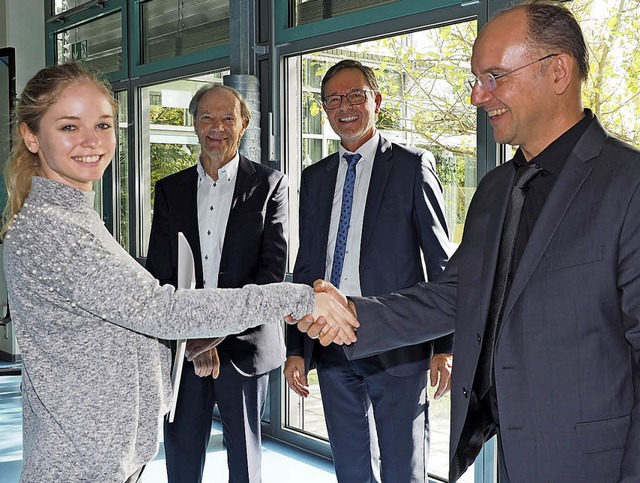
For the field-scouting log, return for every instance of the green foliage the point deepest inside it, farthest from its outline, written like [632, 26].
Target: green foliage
[171, 116]
[422, 78]
[167, 159]
[612, 30]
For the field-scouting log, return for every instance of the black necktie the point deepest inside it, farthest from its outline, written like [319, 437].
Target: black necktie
[484, 376]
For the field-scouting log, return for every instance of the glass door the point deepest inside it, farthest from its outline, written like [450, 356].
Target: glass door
[425, 105]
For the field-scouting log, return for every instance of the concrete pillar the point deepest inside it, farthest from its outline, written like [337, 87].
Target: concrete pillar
[249, 87]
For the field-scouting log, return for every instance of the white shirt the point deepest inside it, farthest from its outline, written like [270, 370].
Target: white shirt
[214, 204]
[350, 280]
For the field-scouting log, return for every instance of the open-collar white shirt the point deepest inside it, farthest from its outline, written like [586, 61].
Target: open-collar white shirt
[214, 205]
[350, 280]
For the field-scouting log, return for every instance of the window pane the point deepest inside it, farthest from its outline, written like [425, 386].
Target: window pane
[312, 105]
[425, 104]
[97, 43]
[311, 151]
[611, 91]
[64, 5]
[122, 172]
[168, 141]
[173, 28]
[306, 11]
[306, 414]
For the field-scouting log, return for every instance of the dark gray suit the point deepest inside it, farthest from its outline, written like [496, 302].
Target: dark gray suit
[403, 216]
[566, 360]
[254, 251]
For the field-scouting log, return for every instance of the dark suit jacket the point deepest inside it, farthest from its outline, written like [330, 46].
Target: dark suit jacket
[254, 250]
[403, 214]
[566, 361]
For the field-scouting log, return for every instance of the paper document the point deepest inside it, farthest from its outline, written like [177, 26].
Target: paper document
[186, 279]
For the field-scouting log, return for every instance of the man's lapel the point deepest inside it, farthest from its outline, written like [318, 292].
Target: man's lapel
[244, 186]
[189, 214]
[571, 179]
[324, 200]
[382, 165]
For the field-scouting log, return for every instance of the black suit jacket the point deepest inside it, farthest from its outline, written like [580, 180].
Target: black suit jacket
[403, 216]
[254, 250]
[567, 372]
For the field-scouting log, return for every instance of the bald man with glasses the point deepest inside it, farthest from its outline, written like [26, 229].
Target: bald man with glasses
[544, 290]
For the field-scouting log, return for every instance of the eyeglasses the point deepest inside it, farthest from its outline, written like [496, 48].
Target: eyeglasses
[355, 97]
[488, 82]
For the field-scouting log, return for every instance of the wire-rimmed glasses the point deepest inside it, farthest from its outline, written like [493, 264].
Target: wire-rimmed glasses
[489, 82]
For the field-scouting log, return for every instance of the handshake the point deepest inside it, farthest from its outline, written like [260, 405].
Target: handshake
[333, 318]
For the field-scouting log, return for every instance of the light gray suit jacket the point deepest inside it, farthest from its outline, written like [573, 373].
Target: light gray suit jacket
[566, 361]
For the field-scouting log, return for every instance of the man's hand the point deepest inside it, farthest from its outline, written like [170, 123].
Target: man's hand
[335, 315]
[333, 318]
[296, 375]
[316, 329]
[195, 347]
[440, 368]
[207, 364]
[324, 286]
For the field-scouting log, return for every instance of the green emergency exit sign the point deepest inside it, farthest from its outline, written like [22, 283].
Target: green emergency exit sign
[79, 50]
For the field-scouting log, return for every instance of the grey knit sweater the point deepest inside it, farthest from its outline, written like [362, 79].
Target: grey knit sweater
[96, 379]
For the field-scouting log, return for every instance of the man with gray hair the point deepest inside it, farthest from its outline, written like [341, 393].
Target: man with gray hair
[233, 212]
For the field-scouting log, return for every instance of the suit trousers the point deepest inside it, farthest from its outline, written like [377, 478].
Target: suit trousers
[395, 444]
[503, 475]
[240, 400]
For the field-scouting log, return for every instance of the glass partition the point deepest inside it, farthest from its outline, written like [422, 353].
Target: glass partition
[306, 11]
[425, 104]
[8, 94]
[60, 6]
[97, 43]
[171, 28]
[168, 143]
[121, 169]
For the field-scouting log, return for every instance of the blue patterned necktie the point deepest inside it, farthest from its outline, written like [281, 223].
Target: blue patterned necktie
[345, 218]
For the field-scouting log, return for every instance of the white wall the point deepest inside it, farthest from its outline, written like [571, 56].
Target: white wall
[22, 27]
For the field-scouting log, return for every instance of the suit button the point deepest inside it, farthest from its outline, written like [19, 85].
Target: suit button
[479, 339]
[465, 393]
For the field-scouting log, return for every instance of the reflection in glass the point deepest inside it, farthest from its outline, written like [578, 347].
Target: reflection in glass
[426, 105]
[64, 5]
[97, 43]
[171, 28]
[7, 96]
[122, 169]
[306, 11]
[311, 105]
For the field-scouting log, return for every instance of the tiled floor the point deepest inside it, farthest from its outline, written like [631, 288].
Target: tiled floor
[281, 463]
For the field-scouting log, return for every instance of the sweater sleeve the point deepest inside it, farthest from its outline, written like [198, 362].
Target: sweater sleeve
[91, 272]
[141, 304]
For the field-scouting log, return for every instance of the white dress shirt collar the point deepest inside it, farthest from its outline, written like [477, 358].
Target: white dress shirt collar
[226, 173]
[367, 150]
